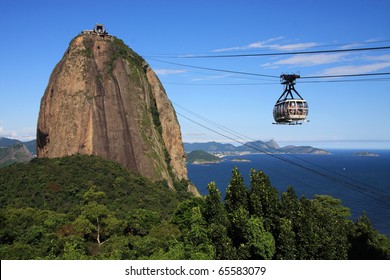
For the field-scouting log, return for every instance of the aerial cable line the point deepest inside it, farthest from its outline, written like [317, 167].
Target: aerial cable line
[224, 128]
[249, 50]
[345, 75]
[216, 69]
[375, 195]
[349, 80]
[277, 53]
[275, 83]
[271, 76]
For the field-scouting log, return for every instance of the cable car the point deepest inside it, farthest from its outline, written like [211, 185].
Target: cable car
[289, 109]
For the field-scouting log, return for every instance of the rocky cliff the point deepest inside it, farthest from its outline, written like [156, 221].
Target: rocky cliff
[104, 99]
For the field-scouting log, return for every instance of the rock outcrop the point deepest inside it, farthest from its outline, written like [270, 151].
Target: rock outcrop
[104, 99]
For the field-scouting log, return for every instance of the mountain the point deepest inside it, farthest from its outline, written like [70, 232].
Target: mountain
[6, 142]
[199, 157]
[259, 146]
[104, 99]
[253, 147]
[209, 146]
[302, 150]
[30, 145]
[15, 153]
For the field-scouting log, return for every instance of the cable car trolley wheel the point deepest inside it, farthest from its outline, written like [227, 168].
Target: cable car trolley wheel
[289, 109]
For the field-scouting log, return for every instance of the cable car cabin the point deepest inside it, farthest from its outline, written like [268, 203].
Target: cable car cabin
[289, 109]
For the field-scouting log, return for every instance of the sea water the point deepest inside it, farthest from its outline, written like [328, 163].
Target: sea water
[361, 182]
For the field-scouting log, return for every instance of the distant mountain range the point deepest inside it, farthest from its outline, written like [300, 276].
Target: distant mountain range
[252, 147]
[31, 145]
[12, 150]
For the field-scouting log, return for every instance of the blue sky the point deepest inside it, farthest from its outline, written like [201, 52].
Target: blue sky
[35, 35]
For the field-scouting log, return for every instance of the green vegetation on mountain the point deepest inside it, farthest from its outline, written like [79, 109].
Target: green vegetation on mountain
[85, 207]
[201, 157]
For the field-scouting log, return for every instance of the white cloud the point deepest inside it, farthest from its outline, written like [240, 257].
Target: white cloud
[293, 47]
[266, 45]
[355, 69]
[22, 135]
[255, 45]
[169, 71]
[307, 60]
[385, 57]
[262, 44]
[351, 46]
[211, 78]
[230, 49]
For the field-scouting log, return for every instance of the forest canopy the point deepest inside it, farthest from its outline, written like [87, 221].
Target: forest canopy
[85, 207]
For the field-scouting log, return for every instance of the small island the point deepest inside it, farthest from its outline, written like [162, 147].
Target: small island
[365, 154]
[240, 160]
[201, 157]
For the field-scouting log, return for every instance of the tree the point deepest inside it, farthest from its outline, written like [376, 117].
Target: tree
[307, 240]
[288, 224]
[96, 221]
[74, 249]
[141, 221]
[285, 241]
[290, 205]
[190, 221]
[236, 193]
[263, 199]
[257, 181]
[366, 242]
[214, 211]
[320, 233]
[331, 218]
[333, 227]
[34, 229]
[217, 221]
[259, 243]
[249, 237]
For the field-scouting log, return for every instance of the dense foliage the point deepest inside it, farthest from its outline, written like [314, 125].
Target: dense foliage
[84, 207]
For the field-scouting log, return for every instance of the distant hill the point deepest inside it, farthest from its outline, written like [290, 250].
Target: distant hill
[31, 146]
[365, 154]
[260, 146]
[199, 157]
[253, 147]
[303, 150]
[209, 147]
[15, 153]
[7, 142]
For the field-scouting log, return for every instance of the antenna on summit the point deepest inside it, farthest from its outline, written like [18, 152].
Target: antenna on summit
[99, 29]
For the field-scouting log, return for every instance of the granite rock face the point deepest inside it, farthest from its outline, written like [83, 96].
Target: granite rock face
[104, 99]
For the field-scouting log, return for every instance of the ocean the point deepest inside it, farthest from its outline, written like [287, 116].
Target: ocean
[361, 182]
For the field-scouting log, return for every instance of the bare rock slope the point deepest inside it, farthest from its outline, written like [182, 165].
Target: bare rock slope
[104, 99]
